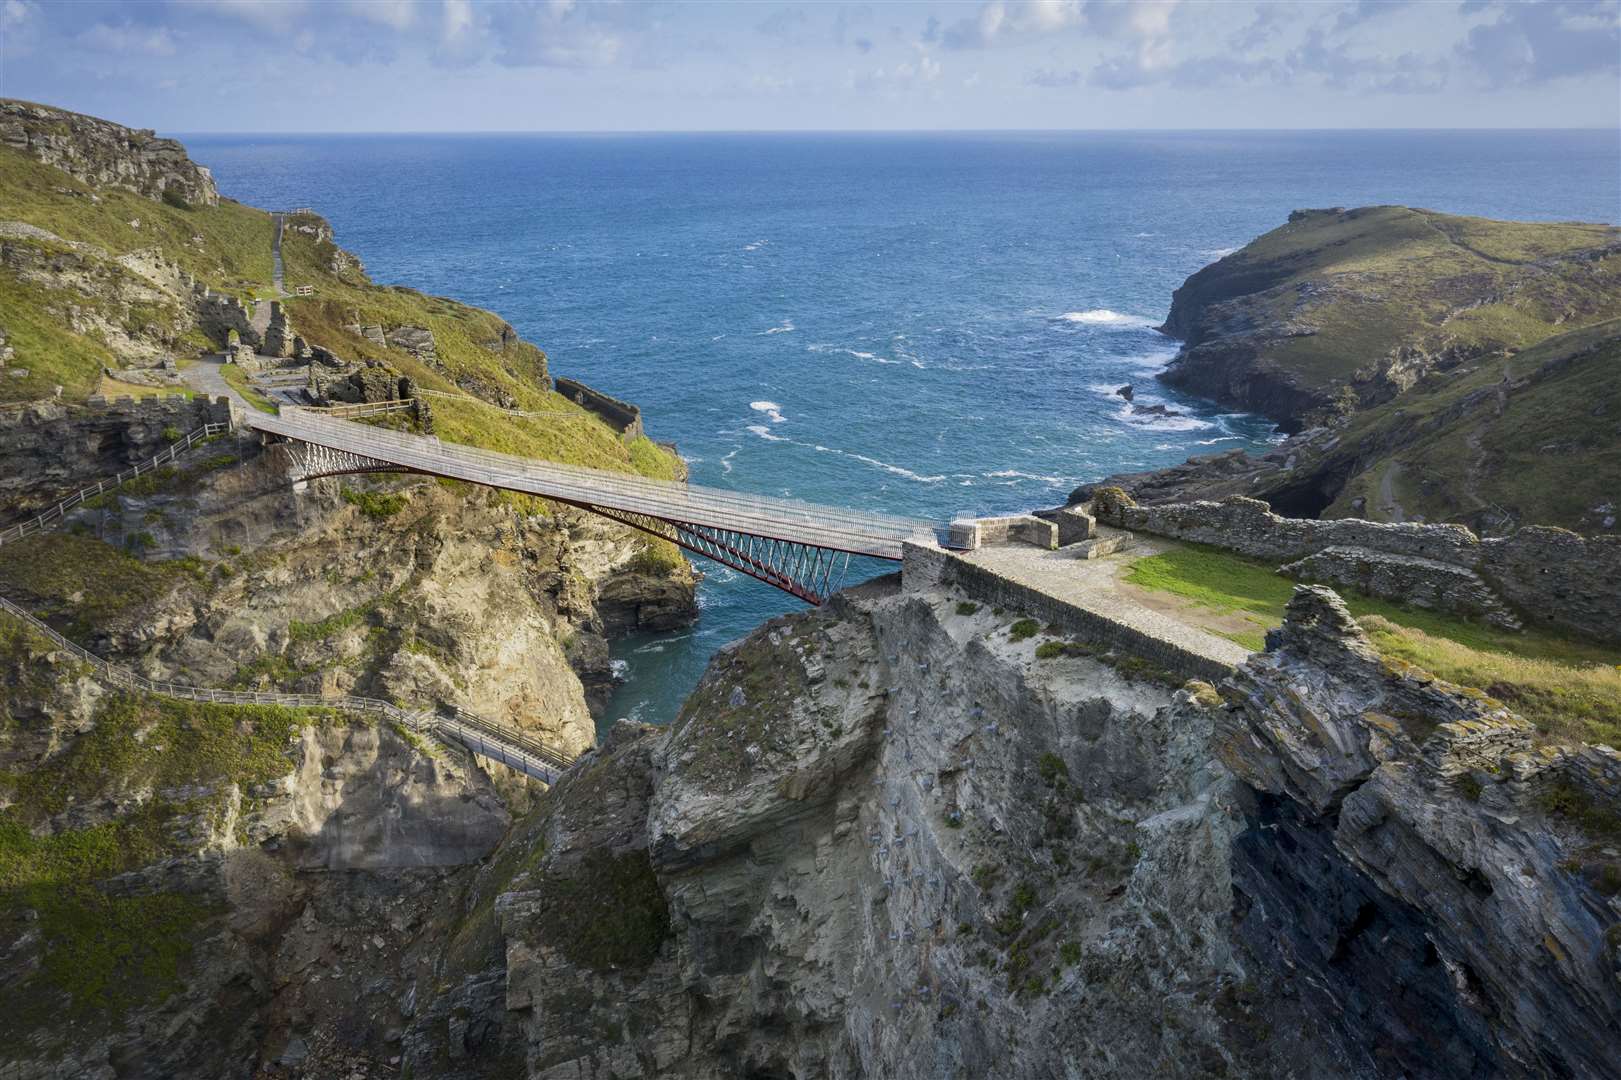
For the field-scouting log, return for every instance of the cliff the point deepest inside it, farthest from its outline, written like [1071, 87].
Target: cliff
[1338, 310]
[891, 838]
[104, 154]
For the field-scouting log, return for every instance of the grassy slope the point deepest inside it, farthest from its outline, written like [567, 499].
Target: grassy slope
[1568, 689]
[234, 255]
[1403, 275]
[168, 767]
[1550, 458]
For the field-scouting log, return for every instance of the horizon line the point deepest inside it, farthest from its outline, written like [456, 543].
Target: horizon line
[906, 131]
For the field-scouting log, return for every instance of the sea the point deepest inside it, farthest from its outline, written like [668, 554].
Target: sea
[922, 324]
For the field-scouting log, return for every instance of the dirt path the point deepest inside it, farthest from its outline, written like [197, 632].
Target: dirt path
[1387, 494]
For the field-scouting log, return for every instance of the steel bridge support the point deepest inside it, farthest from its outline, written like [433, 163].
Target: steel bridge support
[806, 571]
[308, 461]
[811, 573]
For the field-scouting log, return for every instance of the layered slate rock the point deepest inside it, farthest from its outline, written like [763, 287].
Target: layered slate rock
[105, 154]
[1430, 880]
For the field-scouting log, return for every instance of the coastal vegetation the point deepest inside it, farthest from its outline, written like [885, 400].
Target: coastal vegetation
[1569, 689]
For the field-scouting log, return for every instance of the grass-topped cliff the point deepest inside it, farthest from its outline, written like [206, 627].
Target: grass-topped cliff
[101, 267]
[1338, 310]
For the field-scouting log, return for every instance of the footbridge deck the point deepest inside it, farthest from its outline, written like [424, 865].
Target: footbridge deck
[793, 545]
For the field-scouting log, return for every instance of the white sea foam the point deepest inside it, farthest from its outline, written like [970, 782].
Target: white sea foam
[857, 353]
[1217, 253]
[875, 463]
[770, 408]
[764, 433]
[1163, 423]
[1144, 235]
[785, 327]
[756, 246]
[1015, 474]
[619, 668]
[1104, 317]
[1217, 439]
[726, 462]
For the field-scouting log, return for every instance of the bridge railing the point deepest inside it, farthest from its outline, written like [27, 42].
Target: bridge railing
[660, 498]
[364, 408]
[56, 513]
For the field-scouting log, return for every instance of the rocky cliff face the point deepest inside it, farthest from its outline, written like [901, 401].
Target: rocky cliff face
[1339, 310]
[106, 154]
[886, 840]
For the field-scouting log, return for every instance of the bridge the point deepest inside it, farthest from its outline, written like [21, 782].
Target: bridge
[801, 548]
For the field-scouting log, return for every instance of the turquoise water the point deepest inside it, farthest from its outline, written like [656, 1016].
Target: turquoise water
[924, 324]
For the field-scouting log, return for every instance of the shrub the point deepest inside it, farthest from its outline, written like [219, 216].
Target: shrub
[375, 504]
[1024, 628]
[172, 197]
[967, 607]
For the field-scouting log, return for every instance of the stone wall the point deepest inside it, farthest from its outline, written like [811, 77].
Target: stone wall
[929, 567]
[621, 415]
[52, 450]
[1548, 576]
[975, 533]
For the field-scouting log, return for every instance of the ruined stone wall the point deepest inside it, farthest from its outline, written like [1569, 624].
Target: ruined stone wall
[927, 567]
[622, 415]
[1549, 576]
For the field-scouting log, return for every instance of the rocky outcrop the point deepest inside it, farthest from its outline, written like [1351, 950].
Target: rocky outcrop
[1418, 870]
[881, 840]
[1342, 309]
[884, 839]
[104, 154]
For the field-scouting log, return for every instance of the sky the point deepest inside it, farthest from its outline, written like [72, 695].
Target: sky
[623, 65]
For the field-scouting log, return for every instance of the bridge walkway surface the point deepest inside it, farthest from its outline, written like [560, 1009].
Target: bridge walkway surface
[851, 531]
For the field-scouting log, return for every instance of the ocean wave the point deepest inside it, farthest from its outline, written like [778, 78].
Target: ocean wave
[857, 353]
[786, 327]
[1144, 235]
[770, 408]
[1217, 439]
[1114, 320]
[756, 246]
[1217, 253]
[765, 433]
[1151, 361]
[726, 462]
[875, 463]
[1015, 474]
[1163, 423]
[619, 668]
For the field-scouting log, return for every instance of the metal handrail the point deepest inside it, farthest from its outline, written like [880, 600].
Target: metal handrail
[56, 513]
[784, 519]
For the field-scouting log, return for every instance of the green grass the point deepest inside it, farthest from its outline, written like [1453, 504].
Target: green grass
[164, 768]
[237, 380]
[1412, 275]
[378, 505]
[1567, 688]
[234, 254]
[80, 577]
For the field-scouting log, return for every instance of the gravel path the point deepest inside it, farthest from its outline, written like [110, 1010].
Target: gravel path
[1094, 585]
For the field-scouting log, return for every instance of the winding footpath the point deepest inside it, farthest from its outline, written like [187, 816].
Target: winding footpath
[511, 747]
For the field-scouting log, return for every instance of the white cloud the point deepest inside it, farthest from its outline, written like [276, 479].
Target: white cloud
[1536, 43]
[128, 38]
[265, 14]
[395, 14]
